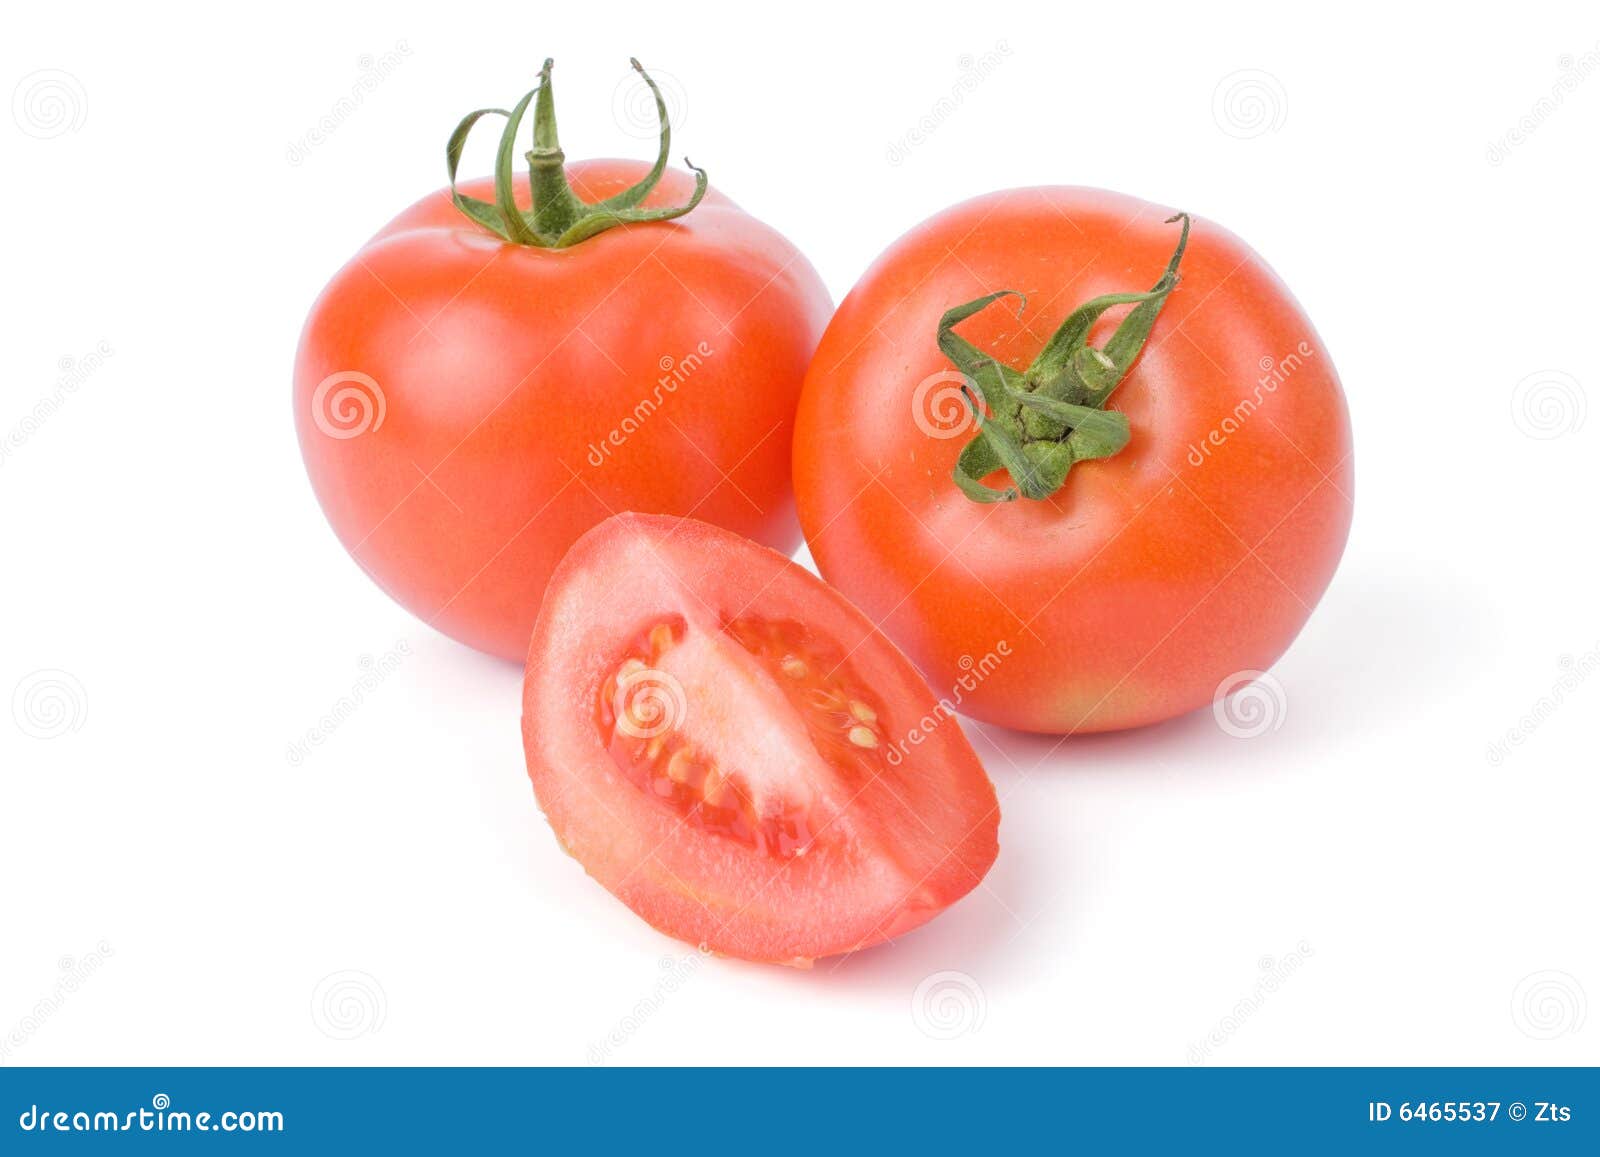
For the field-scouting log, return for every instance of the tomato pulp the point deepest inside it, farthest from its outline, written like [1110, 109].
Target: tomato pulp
[733, 750]
[1189, 540]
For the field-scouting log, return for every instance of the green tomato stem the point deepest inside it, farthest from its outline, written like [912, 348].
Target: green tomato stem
[557, 218]
[1036, 423]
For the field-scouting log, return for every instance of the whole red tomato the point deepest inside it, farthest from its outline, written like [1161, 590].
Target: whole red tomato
[500, 369]
[1058, 557]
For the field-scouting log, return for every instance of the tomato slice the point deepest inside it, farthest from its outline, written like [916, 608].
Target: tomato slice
[738, 754]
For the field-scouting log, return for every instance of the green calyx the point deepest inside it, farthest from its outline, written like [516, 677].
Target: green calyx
[1036, 423]
[557, 218]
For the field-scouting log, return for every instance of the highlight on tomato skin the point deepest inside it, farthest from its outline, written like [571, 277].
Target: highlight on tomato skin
[1097, 429]
[736, 753]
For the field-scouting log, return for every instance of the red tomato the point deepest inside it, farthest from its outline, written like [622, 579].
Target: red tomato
[731, 749]
[468, 406]
[1128, 590]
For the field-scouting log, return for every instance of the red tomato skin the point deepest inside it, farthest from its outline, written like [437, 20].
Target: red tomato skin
[1127, 597]
[507, 374]
[916, 837]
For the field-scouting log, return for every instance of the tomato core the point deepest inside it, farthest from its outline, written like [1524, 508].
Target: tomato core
[654, 716]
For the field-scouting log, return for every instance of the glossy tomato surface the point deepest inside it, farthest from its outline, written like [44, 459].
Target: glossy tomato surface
[1152, 576]
[468, 407]
[730, 748]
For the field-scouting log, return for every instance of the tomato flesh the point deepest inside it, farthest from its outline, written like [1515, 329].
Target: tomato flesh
[705, 775]
[716, 739]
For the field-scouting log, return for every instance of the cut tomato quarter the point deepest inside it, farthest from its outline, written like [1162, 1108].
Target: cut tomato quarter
[738, 754]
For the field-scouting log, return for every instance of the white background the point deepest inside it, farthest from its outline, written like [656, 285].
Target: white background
[176, 890]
